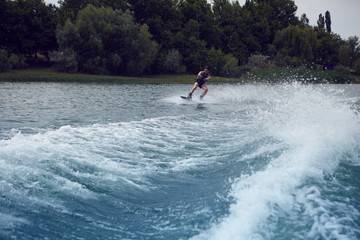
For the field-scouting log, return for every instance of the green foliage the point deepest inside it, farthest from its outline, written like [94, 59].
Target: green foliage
[328, 21]
[298, 74]
[27, 27]
[3, 60]
[344, 56]
[143, 52]
[17, 61]
[357, 66]
[342, 69]
[304, 21]
[258, 61]
[287, 61]
[105, 41]
[69, 9]
[155, 36]
[328, 48]
[298, 45]
[231, 67]
[65, 60]
[172, 62]
[216, 59]
[321, 22]
[13, 61]
[349, 52]
[353, 46]
[68, 36]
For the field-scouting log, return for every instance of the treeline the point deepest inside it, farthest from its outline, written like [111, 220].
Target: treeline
[134, 37]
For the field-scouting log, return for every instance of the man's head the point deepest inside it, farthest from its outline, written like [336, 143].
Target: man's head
[207, 69]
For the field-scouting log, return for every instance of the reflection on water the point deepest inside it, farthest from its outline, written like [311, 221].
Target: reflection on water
[200, 107]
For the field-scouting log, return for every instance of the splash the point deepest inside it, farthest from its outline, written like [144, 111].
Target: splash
[319, 131]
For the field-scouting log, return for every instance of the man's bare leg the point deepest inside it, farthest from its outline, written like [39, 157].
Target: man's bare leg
[203, 87]
[193, 89]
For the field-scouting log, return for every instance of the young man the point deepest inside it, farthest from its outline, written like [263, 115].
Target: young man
[202, 77]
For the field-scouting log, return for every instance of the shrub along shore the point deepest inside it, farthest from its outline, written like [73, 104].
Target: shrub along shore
[260, 75]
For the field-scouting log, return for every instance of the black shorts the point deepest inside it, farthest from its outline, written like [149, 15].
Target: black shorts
[200, 82]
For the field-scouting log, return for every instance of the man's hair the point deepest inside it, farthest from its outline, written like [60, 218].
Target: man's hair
[208, 68]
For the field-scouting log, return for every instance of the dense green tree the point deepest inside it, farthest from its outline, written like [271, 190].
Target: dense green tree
[69, 8]
[353, 46]
[162, 18]
[235, 25]
[250, 29]
[200, 13]
[144, 52]
[295, 42]
[328, 21]
[321, 22]
[189, 34]
[3, 60]
[28, 27]
[41, 26]
[223, 12]
[304, 21]
[231, 67]
[173, 62]
[344, 56]
[3, 23]
[226, 18]
[257, 61]
[198, 33]
[328, 48]
[216, 59]
[280, 13]
[107, 41]
[12, 26]
[160, 15]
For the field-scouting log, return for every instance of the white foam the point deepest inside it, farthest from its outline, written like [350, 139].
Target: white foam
[117, 155]
[317, 129]
[8, 221]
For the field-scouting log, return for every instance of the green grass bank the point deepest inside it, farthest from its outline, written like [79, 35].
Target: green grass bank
[266, 75]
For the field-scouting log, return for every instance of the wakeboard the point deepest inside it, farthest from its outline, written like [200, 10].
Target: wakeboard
[185, 97]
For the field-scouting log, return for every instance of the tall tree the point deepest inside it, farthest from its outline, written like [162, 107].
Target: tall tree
[269, 17]
[70, 8]
[328, 50]
[344, 56]
[198, 33]
[321, 21]
[3, 22]
[304, 21]
[283, 13]
[353, 49]
[226, 19]
[29, 27]
[295, 42]
[41, 23]
[328, 21]
[108, 41]
[162, 18]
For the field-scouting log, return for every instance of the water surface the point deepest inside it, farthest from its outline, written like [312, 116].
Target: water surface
[115, 161]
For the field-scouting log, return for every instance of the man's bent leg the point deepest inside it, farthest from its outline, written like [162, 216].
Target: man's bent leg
[196, 84]
[193, 89]
[203, 87]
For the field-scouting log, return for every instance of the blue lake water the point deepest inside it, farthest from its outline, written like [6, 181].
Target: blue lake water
[118, 161]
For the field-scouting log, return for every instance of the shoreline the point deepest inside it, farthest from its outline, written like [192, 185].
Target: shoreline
[269, 75]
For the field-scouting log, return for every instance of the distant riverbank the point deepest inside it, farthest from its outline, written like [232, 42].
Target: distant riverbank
[268, 75]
